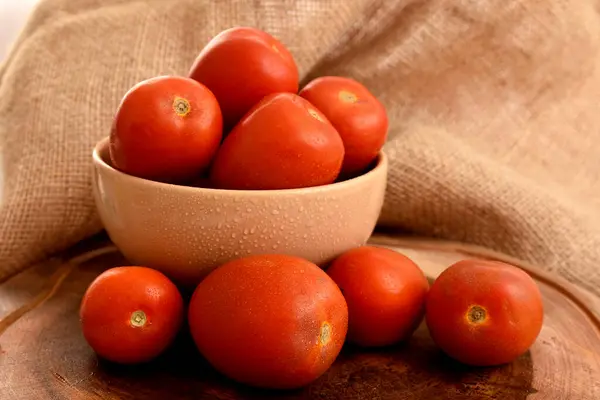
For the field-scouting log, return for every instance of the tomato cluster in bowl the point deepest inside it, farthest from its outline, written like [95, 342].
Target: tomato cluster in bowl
[239, 121]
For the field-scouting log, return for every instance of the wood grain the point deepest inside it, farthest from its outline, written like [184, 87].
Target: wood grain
[44, 356]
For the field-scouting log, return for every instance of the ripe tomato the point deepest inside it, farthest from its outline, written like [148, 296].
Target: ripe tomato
[385, 292]
[282, 143]
[166, 129]
[272, 321]
[484, 313]
[131, 314]
[241, 66]
[357, 115]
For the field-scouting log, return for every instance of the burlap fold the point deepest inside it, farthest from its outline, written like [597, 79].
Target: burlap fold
[495, 127]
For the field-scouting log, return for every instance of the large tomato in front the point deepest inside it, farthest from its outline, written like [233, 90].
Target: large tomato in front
[484, 313]
[284, 142]
[273, 321]
[241, 66]
[166, 129]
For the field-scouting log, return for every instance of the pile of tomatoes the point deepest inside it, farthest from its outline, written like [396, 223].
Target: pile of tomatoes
[238, 121]
[279, 321]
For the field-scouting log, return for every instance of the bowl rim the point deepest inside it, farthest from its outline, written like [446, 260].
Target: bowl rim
[380, 167]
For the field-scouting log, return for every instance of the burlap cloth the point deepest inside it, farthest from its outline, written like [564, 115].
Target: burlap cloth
[495, 123]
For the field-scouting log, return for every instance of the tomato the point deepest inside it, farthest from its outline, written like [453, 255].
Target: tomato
[271, 321]
[484, 313]
[241, 66]
[357, 115]
[282, 143]
[385, 292]
[130, 315]
[166, 129]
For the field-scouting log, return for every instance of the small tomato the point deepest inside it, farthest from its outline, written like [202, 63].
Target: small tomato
[284, 142]
[385, 292]
[131, 314]
[241, 66]
[357, 115]
[484, 313]
[166, 129]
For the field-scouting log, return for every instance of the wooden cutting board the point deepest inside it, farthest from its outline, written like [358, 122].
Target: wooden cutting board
[44, 356]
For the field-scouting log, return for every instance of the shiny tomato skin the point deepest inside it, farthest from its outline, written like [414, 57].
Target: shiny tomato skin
[166, 129]
[484, 313]
[385, 292]
[242, 65]
[131, 314]
[284, 142]
[272, 321]
[357, 115]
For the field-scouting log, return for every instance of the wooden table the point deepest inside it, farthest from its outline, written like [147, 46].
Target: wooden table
[44, 356]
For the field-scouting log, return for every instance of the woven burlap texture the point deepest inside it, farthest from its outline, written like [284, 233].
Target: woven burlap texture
[495, 126]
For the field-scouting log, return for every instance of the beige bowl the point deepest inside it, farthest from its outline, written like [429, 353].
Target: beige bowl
[186, 232]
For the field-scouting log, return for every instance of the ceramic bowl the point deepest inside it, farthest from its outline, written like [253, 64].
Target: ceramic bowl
[186, 232]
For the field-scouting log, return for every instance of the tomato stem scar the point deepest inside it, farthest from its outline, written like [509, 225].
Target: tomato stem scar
[325, 334]
[315, 114]
[138, 318]
[476, 314]
[181, 106]
[347, 97]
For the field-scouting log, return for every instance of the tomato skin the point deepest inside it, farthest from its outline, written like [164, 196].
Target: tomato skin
[108, 307]
[510, 299]
[241, 66]
[149, 139]
[282, 143]
[385, 292]
[272, 321]
[357, 115]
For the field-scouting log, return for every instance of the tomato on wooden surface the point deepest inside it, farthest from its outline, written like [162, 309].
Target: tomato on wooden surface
[385, 292]
[484, 313]
[241, 66]
[272, 321]
[357, 115]
[284, 142]
[166, 129]
[131, 314]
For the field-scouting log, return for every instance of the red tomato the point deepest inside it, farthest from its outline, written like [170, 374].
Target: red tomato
[385, 292]
[131, 314]
[484, 313]
[241, 66]
[166, 129]
[282, 143]
[274, 321]
[357, 115]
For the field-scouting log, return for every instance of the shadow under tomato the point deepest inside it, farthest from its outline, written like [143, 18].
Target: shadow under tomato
[180, 373]
[416, 369]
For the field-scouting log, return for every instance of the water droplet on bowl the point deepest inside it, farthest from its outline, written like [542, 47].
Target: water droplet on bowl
[274, 212]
